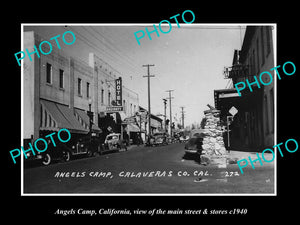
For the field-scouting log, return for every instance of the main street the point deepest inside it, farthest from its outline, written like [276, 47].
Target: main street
[145, 170]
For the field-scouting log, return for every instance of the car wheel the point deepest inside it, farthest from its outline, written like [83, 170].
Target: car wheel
[46, 159]
[89, 153]
[66, 156]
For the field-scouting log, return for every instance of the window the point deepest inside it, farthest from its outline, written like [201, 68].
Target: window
[262, 46]
[87, 89]
[61, 78]
[48, 73]
[108, 98]
[268, 37]
[253, 62]
[257, 57]
[79, 87]
[272, 109]
[266, 109]
[102, 96]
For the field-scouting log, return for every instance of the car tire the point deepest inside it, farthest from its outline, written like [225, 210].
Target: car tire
[46, 160]
[90, 153]
[66, 156]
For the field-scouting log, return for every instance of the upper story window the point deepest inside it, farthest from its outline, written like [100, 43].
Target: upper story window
[87, 89]
[102, 96]
[48, 73]
[109, 96]
[61, 78]
[79, 86]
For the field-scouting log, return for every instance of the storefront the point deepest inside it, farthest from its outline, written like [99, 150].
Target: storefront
[55, 116]
[246, 126]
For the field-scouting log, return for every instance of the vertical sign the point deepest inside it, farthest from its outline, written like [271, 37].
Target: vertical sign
[119, 91]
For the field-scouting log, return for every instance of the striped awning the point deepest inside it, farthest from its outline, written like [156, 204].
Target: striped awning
[85, 120]
[55, 116]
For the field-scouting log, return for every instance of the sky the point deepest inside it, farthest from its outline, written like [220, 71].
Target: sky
[188, 60]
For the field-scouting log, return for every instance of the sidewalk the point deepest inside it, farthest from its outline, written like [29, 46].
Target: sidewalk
[235, 156]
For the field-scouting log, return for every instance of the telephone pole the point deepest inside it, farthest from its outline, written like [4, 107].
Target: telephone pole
[182, 116]
[149, 107]
[170, 97]
[165, 113]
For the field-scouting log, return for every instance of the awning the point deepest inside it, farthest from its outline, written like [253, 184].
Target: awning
[86, 120]
[55, 116]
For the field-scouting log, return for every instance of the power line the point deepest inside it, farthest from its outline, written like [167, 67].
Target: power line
[124, 55]
[96, 48]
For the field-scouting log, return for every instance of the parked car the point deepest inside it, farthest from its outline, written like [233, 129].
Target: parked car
[158, 139]
[60, 152]
[84, 145]
[183, 139]
[194, 143]
[113, 142]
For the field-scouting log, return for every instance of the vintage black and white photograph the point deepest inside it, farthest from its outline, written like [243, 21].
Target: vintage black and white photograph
[170, 108]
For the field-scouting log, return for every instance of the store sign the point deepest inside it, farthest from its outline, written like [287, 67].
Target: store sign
[119, 91]
[112, 109]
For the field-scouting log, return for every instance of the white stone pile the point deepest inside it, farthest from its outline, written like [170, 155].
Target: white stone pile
[214, 151]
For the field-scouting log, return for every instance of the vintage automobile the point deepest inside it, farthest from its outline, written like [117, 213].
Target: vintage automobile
[158, 139]
[113, 142]
[194, 143]
[60, 152]
[63, 151]
[183, 139]
[85, 145]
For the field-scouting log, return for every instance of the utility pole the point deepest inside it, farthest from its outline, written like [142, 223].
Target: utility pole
[182, 116]
[170, 97]
[149, 107]
[165, 113]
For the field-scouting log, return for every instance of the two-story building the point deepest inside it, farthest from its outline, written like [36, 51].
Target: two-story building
[58, 90]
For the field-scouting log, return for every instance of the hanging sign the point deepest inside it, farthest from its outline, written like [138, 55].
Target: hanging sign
[119, 91]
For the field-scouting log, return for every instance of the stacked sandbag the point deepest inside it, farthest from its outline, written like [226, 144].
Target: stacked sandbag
[213, 144]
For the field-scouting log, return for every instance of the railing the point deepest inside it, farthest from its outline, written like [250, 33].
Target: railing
[237, 70]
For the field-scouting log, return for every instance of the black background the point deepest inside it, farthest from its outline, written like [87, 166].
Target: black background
[41, 209]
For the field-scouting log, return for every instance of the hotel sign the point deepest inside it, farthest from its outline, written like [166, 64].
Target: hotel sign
[117, 105]
[119, 91]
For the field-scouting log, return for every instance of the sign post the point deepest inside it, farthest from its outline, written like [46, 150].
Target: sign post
[233, 111]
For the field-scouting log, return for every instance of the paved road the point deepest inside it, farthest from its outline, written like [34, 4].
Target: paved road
[145, 170]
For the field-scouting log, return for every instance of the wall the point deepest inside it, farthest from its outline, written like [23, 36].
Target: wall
[260, 58]
[97, 73]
